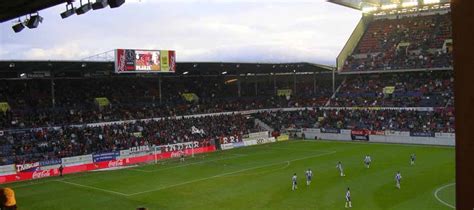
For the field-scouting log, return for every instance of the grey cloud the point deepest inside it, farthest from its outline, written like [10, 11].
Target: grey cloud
[252, 31]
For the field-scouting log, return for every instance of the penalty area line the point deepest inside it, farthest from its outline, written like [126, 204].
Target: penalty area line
[93, 188]
[235, 156]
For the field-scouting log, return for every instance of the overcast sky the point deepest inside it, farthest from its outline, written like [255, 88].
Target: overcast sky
[199, 30]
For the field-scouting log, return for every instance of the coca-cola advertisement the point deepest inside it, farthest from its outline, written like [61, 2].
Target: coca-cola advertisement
[38, 174]
[41, 174]
[116, 163]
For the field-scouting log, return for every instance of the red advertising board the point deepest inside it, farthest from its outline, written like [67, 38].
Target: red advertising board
[382, 133]
[360, 132]
[22, 176]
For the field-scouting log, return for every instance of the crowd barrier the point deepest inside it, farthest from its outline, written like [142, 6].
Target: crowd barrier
[84, 163]
[402, 137]
[249, 140]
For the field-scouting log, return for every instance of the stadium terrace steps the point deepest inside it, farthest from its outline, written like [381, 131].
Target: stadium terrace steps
[263, 125]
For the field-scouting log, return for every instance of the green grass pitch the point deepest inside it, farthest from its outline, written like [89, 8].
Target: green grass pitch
[259, 177]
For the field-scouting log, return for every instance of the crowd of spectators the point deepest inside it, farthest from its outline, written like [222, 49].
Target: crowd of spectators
[138, 98]
[29, 145]
[417, 89]
[32, 130]
[412, 42]
[441, 120]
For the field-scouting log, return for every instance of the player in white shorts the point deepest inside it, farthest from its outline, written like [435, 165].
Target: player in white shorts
[341, 170]
[309, 176]
[181, 155]
[294, 184]
[367, 161]
[412, 159]
[398, 179]
[348, 199]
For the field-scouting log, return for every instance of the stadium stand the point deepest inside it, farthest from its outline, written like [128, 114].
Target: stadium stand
[441, 120]
[52, 118]
[418, 41]
[34, 130]
[38, 144]
[409, 89]
[30, 100]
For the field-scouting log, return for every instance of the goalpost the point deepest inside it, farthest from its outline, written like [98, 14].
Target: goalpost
[157, 152]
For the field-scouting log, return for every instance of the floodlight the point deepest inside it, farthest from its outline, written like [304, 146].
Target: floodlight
[100, 4]
[18, 26]
[69, 11]
[83, 8]
[34, 21]
[115, 3]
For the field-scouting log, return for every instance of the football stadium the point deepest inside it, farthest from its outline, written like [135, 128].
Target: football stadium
[138, 128]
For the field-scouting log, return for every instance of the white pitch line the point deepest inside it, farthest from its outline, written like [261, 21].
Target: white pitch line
[439, 199]
[94, 188]
[228, 173]
[184, 165]
[192, 181]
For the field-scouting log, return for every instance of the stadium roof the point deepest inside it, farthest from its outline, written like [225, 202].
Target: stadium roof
[11, 9]
[60, 69]
[373, 5]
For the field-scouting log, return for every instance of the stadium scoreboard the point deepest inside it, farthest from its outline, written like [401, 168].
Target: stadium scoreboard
[145, 61]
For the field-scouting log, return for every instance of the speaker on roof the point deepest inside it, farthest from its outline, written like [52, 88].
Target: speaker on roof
[115, 3]
[99, 4]
[18, 27]
[83, 9]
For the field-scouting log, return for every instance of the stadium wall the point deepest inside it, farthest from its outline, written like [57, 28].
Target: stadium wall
[424, 138]
[96, 162]
[250, 140]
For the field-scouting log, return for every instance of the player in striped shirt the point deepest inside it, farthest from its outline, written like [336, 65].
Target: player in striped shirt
[348, 199]
[294, 184]
[367, 161]
[341, 170]
[398, 179]
[309, 176]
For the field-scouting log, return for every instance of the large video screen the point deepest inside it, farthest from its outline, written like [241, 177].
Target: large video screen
[145, 61]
